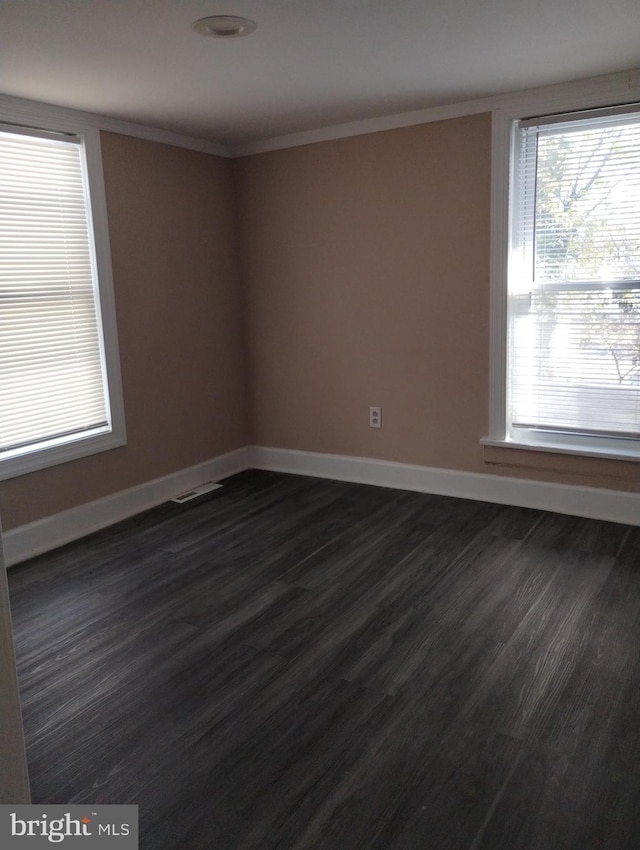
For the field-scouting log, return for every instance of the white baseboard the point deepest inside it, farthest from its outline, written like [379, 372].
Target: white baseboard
[40, 536]
[590, 502]
[48, 533]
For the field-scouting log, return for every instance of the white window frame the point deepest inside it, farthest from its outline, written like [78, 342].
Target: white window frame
[504, 130]
[50, 453]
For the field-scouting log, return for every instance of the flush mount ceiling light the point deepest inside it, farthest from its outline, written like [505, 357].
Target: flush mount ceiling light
[224, 26]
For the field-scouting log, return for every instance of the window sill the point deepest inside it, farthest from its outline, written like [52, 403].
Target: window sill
[61, 452]
[558, 448]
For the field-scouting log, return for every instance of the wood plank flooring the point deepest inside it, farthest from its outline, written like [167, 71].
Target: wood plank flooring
[298, 663]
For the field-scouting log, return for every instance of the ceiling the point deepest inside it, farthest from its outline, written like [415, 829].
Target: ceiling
[310, 63]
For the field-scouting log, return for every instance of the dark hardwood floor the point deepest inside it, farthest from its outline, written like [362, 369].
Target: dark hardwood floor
[298, 663]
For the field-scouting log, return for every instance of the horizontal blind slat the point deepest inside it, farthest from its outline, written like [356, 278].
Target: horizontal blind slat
[574, 353]
[51, 365]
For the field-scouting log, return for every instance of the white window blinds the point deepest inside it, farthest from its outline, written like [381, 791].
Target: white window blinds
[52, 376]
[574, 283]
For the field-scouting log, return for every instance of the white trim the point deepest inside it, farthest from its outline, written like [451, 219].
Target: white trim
[591, 450]
[581, 94]
[60, 451]
[18, 110]
[590, 502]
[40, 536]
[499, 259]
[106, 293]
[43, 535]
[610, 89]
[369, 125]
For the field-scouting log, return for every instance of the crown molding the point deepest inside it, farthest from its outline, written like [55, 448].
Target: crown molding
[610, 89]
[614, 88]
[16, 109]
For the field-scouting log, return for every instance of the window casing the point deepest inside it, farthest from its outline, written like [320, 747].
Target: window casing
[566, 370]
[60, 391]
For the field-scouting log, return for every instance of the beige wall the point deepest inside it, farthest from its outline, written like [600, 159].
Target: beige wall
[366, 273]
[171, 223]
[365, 281]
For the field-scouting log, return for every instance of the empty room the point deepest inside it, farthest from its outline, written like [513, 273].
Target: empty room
[320, 424]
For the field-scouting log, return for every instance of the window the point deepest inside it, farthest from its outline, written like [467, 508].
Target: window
[572, 317]
[60, 392]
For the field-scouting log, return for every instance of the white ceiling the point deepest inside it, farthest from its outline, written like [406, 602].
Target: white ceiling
[310, 64]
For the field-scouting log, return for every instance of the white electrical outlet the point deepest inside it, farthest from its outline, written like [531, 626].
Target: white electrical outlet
[375, 417]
